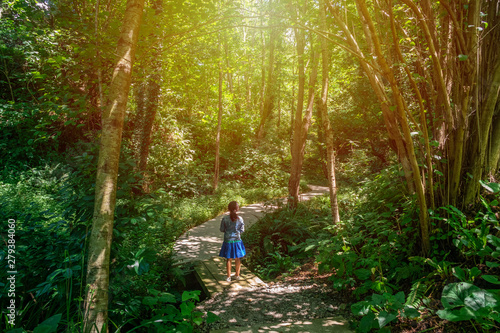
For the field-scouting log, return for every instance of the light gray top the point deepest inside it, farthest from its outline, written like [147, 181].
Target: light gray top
[232, 230]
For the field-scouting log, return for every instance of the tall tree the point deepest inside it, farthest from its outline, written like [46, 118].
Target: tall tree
[327, 127]
[219, 123]
[301, 122]
[147, 93]
[96, 301]
[269, 88]
[446, 105]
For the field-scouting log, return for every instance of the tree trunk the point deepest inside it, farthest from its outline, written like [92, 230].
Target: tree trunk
[327, 128]
[96, 302]
[301, 125]
[219, 124]
[147, 113]
[409, 152]
[269, 94]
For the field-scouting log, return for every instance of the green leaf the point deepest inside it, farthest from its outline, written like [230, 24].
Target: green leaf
[212, 317]
[48, 325]
[363, 274]
[378, 299]
[463, 57]
[167, 298]
[481, 299]
[411, 312]
[197, 318]
[459, 274]
[187, 308]
[385, 318]
[361, 308]
[492, 264]
[400, 297]
[454, 294]
[194, 294]
[491, 279]
[491, 187]
[148, 300]
[367, 323]
[456, 315]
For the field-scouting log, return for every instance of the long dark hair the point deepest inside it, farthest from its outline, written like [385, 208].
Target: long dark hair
[233, 207]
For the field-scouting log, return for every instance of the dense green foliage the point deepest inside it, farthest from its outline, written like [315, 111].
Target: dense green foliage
[377, 257]
[56, 63]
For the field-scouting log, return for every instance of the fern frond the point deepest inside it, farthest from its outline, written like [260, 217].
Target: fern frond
[417, 292]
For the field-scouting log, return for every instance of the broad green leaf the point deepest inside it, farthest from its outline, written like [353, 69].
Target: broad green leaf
[194, 294]
[491, 279]
[456, 315]
[212, 317]
[481, 299]
[454, 294]
[361, 308]
[385, 318]
[367, 323]
[197, 317]
[459, 273]
[492, 264]
[187, 308]
[48, 325]
[378, 299]
[400, 297]
[492, 187]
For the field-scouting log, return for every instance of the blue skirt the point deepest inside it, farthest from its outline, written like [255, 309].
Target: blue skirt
[232, 250]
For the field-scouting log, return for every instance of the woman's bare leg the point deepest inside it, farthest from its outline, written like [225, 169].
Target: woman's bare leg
[237, 263]
[228, 267]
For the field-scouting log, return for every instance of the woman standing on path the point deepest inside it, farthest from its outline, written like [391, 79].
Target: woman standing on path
[232, 226]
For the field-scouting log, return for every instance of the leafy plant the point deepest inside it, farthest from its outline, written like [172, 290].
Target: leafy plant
[380, 310]
[169, 317]
[465, 301]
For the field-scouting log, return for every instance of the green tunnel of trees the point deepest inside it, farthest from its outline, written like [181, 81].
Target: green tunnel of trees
[127, 99]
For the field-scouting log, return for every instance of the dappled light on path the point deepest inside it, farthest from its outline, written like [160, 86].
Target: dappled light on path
[204, 241]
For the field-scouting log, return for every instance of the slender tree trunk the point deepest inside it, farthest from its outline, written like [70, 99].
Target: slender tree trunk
[219, 124]
[269, 94]
[409, 147]
[98, 57]
[494, 155]
[327, 128]
[484, 124]
[147, 105]
[301, 124]
[96, 301]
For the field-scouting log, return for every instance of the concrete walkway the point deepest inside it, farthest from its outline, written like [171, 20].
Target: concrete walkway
[204, 241]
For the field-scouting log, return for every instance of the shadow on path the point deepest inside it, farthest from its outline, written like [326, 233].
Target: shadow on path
[204, 241]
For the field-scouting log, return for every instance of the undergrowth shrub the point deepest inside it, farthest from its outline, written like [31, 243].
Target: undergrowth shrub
[461, 270]
[273, 242]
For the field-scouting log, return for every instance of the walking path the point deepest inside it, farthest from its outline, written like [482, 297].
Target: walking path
[258, 307]
[204, 241]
